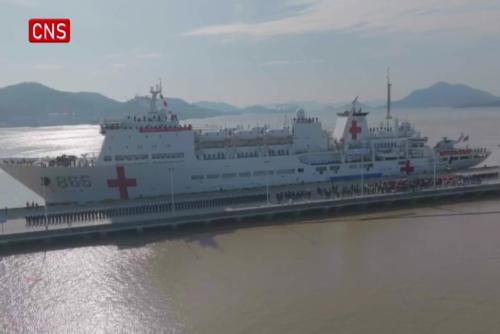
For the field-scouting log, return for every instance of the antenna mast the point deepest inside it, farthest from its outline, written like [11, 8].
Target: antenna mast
[389, 85]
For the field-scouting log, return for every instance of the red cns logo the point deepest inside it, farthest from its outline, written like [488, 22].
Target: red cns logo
[49, 30]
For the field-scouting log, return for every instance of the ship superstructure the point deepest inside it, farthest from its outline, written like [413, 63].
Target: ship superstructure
[152, 154]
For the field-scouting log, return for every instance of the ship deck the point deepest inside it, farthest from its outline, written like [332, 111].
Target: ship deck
[98, 219]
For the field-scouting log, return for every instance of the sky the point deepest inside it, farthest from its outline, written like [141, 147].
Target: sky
[249, 52]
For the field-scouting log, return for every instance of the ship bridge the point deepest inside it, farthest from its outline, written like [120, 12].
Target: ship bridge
[155, 135]
[157, 119]
[308, 134]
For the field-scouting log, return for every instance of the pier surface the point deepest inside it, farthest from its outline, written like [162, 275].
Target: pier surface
[56, 222]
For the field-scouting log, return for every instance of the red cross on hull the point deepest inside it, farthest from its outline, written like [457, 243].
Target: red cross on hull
[408, 168]
[354, 130]
[122, 183]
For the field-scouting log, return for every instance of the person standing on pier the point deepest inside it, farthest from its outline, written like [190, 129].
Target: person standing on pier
[3, 219]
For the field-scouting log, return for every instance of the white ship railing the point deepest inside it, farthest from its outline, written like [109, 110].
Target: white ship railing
[51, 162]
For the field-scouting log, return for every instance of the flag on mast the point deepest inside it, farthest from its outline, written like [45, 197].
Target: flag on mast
[164, 99]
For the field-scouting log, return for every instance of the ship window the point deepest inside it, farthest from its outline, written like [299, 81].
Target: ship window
[197, 177]
[259, 173]
[244, 174]
[212, 176]
[131, 157]
[320, 169]
[108, 158]
[167, 155]
[228, 175]
[300, 170]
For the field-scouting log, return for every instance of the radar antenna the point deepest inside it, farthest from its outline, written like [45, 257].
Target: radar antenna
[355, 103]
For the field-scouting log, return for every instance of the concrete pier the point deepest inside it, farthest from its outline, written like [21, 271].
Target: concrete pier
[101, 219]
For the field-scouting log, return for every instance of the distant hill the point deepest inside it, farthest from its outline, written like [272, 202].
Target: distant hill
[309, 106]
[219, 106]
[230, 109]
[182, 108]
[485, 104]
[33, 104]
[443, 94]
[261, 110]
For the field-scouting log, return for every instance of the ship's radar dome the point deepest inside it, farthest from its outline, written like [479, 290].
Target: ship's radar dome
[301, 114]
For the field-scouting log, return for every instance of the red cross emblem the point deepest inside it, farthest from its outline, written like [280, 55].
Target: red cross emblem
[122, 183]
[408, 168]
[355, 129]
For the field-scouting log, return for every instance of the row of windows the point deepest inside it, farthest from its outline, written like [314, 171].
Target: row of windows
[385, 145]
[334, 168]
[239, 155]
[131, 157]
[167, 155]
[246, 174]
[247, 154]
[135, 157]
[215, 156]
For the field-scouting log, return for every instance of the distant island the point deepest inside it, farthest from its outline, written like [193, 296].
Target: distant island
[443, 94]
[34, 104]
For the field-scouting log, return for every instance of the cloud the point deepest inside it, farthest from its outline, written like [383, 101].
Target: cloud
[134, 53]
[118, 65]
[47, 67]
[148, 55]
[407, 16]
[21, 3]
[114, 55]
[274, 63]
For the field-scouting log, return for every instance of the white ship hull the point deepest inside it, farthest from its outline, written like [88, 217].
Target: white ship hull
[142, 180]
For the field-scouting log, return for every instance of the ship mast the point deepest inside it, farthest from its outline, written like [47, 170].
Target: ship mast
[354, 105]
[389, 85]
[155, 91]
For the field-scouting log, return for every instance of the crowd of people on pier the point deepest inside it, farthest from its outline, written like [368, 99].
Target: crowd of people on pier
[32, 205]
[83, 216]
[349, 190]
[292, 195]
[331, 191]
